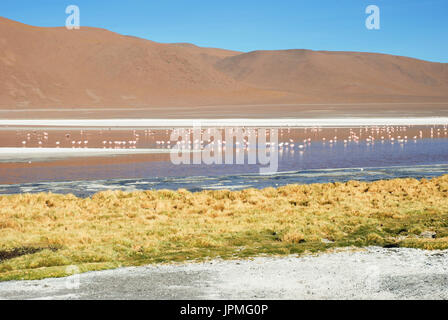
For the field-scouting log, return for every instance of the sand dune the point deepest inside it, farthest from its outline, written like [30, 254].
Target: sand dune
[90, 68]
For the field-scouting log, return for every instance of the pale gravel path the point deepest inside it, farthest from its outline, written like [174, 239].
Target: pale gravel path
[374, 273]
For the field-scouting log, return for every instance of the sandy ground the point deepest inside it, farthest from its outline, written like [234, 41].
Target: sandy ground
[254, 111]
[231, 122]
[373, 273]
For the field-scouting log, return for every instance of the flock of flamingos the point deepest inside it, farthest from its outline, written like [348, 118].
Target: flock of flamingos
[287, 137]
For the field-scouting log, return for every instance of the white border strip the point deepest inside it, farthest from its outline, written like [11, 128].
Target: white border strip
[317, 122]
[32, 153]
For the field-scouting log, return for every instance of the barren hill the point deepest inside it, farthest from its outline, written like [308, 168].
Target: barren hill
[92, 68]
[340, 76]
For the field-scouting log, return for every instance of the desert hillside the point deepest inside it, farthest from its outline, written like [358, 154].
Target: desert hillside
[91, 68]
[341, 76]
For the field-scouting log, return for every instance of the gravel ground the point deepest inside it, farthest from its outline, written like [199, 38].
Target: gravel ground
[371, 273]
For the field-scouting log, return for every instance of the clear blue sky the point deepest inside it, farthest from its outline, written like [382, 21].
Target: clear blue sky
[415, 28]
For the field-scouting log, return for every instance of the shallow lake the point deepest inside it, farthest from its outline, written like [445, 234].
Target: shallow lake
[375, 155]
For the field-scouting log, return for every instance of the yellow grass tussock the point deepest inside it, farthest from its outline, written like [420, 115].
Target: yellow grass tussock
[42, 234]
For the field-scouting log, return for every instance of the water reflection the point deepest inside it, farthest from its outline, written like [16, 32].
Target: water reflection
[311, 161]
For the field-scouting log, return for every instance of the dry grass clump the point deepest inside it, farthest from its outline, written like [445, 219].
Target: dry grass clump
[117, 228]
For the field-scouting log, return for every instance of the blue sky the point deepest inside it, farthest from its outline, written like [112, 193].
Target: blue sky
[415, 28]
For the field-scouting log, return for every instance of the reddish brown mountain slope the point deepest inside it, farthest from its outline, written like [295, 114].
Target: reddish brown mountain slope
[348, 76]
[54, 67]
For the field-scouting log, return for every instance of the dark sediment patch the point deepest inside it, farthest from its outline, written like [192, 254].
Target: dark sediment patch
[21, 251]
